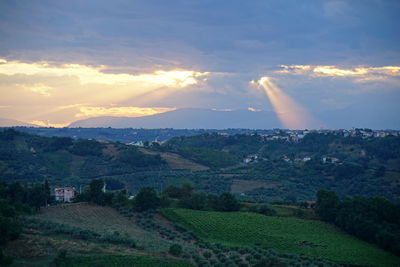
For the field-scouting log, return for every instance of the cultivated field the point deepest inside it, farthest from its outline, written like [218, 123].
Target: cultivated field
[103, 220]
[286, 235]
[176, 161]
[240, 186]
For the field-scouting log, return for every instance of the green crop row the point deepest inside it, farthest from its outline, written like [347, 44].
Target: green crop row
[286, 235]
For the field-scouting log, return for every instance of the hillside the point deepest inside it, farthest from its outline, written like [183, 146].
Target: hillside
[91, 235]
[287, 235]
[103, 220]
[284, 167]
[263, 168]
[25, 157]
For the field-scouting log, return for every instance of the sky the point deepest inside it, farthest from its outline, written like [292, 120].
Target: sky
[329, 64]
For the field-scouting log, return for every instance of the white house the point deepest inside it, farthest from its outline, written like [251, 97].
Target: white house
[64, 193]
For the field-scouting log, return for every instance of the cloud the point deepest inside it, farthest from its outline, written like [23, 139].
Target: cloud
[48, 124]
[120, 111]
[97, 75]
[37, 91]
[360, 74]
[39, 88]
[253, 109]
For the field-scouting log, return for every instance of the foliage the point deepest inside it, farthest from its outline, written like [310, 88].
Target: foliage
[94, 193]
[202, 201]
[86, 147]
[266, 210]
[327, 205]
[175, 192]
[375, 220]
[175, 249]
[146, 199]
[133, 157]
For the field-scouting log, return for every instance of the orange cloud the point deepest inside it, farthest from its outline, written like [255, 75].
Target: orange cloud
[120, 111]
[48, 124]
[96, 75]
[362, 74]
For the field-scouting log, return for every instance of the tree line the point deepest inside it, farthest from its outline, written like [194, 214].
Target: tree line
[373, 219]
[147, 198]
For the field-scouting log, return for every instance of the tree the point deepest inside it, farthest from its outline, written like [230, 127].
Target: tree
[37, 197]
[327, 205]
[147, 199]
[228, 202]
[46, 189]
[96, 194]
[176, 192]
[196, 201]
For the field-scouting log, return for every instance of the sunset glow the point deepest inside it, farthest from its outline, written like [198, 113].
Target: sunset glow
[95, 75]
[361, 74]
[120, 111]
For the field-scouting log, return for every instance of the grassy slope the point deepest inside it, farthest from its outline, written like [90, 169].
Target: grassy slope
[101, 220]
[288, 235]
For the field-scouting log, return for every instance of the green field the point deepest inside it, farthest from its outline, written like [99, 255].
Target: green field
[287, 235]
[121, 260]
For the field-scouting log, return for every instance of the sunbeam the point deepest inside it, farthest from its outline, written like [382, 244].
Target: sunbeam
[291, 114]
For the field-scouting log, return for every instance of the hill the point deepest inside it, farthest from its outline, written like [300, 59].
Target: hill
[281, 166]
[25, 157]
[189, 118]
[287, 235]
[258, 167]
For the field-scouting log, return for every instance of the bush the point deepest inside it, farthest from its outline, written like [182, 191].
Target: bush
[175, 249]
[61, 255]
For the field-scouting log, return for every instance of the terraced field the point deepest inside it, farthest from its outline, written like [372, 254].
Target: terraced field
[287, 235]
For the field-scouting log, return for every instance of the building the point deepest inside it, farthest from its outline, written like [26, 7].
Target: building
[251, 158]
[64, 193]
[331, 160]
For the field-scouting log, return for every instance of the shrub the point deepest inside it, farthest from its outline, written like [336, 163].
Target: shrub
[175, 249]
[207, 254]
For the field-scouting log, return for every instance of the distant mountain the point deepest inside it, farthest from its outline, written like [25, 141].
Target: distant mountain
[10, 123]
[189, 118]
